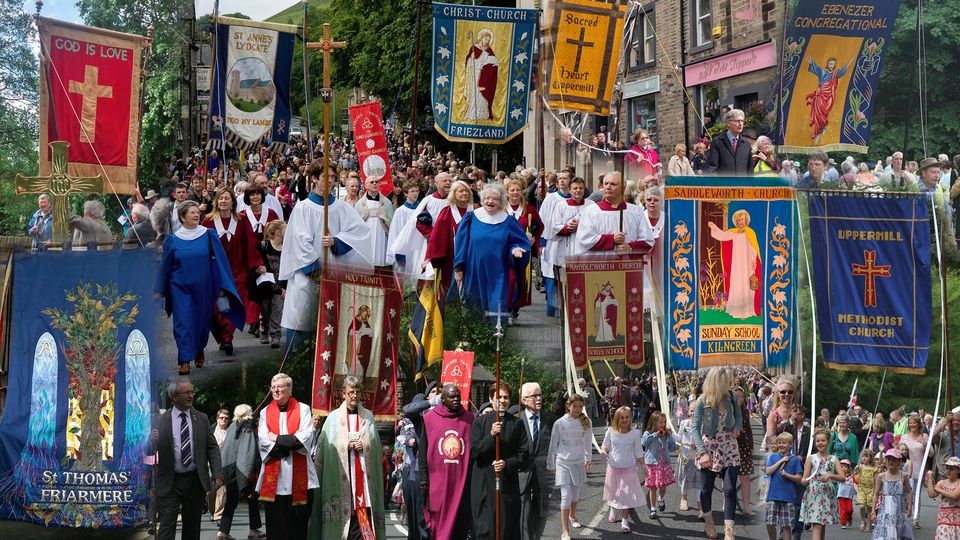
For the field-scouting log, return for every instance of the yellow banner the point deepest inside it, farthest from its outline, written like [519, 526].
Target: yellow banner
[583, 52]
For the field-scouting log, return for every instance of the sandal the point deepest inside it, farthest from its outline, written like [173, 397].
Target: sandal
[184, 369]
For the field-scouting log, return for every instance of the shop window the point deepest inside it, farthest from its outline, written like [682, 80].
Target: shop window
[702, 18]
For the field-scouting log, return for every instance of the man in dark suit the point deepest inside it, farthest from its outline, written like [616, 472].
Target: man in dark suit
[188, 458]
[536, 482]
[729, 152]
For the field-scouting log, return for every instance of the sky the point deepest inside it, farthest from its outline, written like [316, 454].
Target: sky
[66, 10]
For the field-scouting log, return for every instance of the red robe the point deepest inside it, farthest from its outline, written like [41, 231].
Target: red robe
[520, 290]
[488, 76]
[440, 247]
[244, 258]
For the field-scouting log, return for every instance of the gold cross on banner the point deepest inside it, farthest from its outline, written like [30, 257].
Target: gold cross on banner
[59, 185]
[91, 90]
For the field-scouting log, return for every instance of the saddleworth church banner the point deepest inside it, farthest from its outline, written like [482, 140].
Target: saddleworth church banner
[871, 260]
[76, 424]
[250, 100]
[830, 73]
[729, 272]
[357, 334]
[482, 61]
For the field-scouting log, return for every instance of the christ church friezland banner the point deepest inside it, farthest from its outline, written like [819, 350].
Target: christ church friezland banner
[76, 424]
[482, 61]
[250, 100]
[357, 334]
[728, 272]
[871, 258]
[830, 72]
[583, 52]
[90, 98]
[604, 295]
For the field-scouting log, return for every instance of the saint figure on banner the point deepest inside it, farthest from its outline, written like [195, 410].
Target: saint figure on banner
[821, 100]
[361, 343]
[480, 83]
[740, 257]
[606, 314]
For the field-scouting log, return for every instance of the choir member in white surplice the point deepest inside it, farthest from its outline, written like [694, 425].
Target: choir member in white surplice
[401, 216]
[548, 255]
[377, 211]
[565, 222]
[612, 225]
[348, 243]
[410, 244]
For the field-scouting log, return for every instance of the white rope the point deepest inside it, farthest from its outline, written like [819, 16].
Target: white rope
[813, 318]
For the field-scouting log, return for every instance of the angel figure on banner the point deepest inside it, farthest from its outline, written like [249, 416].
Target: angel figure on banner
[605, 318]
[821, 100]
[480, 83]
[742, 271]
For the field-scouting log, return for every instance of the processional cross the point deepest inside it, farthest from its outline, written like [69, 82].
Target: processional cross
[59, 185]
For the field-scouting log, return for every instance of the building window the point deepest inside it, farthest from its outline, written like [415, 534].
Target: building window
[702, 23]
[643, 115]
[643, 48]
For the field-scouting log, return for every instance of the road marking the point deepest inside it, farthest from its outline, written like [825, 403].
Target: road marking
[397, 525]
[597, 518]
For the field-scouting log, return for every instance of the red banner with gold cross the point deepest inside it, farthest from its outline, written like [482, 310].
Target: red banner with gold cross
[90, 98]
[371, 141]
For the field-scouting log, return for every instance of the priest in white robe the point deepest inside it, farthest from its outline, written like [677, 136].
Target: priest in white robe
[613, 225]
[377, 212]
[303, 246]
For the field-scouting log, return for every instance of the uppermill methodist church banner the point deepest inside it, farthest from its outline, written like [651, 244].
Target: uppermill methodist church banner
[830, 72]
[729, 272]
[482, 60]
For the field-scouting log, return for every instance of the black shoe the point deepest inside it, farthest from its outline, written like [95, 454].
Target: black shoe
[227, 348]
[254, 329]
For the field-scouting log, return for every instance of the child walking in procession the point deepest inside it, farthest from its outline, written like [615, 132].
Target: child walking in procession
[894, 501]
[658, 444]
[948, 490]
[846, 492]
[688, 477]
[272, 294]
[570, 454]
[819, 506]
[622, 449]
[865, 478]
[784, 470]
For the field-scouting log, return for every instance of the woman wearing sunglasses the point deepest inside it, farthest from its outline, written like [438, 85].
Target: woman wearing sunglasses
[783, 400]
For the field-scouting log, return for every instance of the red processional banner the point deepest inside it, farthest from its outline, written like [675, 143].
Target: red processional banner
[458, 369]
[90, 98]
[604, 297]
[367, 120]
[357, 330]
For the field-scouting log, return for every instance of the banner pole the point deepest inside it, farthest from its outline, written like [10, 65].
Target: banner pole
[496, 412]
[414, 85]
[306, 80]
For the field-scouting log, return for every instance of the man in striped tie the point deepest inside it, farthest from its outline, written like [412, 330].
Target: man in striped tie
[188, 459]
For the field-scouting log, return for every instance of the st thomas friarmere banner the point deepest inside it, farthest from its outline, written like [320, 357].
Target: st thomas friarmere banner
[729, 272]
[250, 100]
[482, 60]
[371, 141]
[582, 53]
[90, 98]
[831, 64]
[872, 280]
[76, 427]
[357, 334]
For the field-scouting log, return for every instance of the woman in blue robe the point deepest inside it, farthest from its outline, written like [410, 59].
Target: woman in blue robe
[194, 273]
[487, 248]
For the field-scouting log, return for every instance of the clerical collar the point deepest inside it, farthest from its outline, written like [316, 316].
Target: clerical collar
[319, 199]
[351, 411]
[373, 197]
[283, 408]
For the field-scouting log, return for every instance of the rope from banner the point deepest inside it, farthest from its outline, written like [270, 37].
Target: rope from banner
[813, 318]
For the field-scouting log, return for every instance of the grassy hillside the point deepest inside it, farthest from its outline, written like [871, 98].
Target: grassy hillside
[294, 13]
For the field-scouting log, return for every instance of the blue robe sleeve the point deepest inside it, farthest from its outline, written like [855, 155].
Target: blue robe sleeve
[223, 281]
[460, 243]
[518, 239]
[162, 286]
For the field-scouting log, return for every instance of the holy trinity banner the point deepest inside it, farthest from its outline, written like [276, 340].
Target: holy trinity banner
[368, 135]
[357, 332]
[250, 100]
[604, 296]
[76, 425]
[482, 61]
[583, 52]
[830, 72]
[871, 258]
[729, 272]
[90, 99]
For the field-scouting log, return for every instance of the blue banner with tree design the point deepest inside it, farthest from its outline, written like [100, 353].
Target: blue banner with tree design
[79, 406]
[871, 258]
[830, 71]
[729, 274]
[482, 61]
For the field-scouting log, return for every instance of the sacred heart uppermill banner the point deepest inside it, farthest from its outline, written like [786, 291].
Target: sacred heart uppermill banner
[604, 295]
[90, 99]
[830, 72]
[729, 272]
[77, 418]
[582, 54]
[482, 61]
[871, 258]
[357, 332]
[250, 100]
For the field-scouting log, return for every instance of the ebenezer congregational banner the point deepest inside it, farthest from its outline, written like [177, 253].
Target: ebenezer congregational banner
[729, 272]
[77, 418]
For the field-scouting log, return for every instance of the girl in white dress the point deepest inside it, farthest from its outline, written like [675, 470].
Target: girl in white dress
[570, 454]
[622, 449]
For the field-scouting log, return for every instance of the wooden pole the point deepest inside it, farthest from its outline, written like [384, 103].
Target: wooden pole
[326, 45]
[306, 82]
[496, 451]
[413, 86]
[541, 158]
